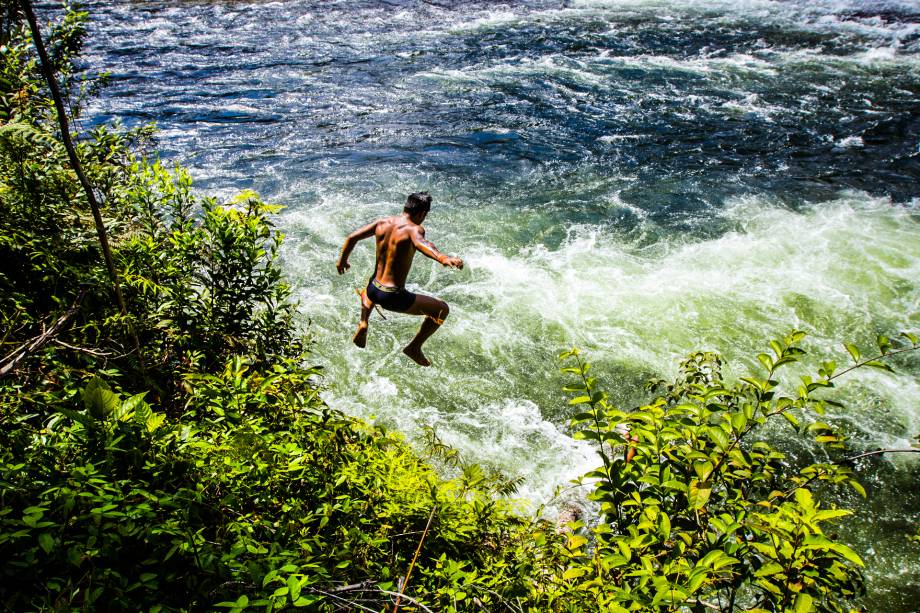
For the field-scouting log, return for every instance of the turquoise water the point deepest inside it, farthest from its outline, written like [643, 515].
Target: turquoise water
[638, 178]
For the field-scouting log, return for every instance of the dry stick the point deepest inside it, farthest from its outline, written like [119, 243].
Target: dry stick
[364, 586]
[412, 600]
[48, 72]
[345, 600]
[412, 564]
[95, 352]
[30, 346]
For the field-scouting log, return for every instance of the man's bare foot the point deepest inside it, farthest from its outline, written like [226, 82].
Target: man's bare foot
[360, 338]
[415, 353]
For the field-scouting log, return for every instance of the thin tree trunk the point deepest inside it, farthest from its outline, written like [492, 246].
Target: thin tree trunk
[48, 72]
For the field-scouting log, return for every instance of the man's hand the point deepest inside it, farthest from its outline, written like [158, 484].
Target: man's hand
[454, 263]
[342, 266]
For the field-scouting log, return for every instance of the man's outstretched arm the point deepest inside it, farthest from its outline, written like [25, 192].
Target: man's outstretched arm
[350, 241]
[427, 247]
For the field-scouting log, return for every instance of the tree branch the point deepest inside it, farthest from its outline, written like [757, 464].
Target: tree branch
[36, 343]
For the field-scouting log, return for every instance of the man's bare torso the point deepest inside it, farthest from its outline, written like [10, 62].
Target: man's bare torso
[395, 249]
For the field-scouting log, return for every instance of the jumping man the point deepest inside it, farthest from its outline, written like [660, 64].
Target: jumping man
[398, 238]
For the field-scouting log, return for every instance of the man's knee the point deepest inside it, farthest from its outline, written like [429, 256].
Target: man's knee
[441, 312]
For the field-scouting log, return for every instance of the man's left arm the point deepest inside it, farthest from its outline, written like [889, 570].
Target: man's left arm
[427, 247]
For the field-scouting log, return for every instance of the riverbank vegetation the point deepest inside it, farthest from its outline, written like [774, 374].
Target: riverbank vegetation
[177, 455]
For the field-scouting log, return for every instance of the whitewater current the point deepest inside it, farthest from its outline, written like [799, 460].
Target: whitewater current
[637, 178]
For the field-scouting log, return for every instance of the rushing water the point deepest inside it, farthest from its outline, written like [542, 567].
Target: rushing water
[639, 178]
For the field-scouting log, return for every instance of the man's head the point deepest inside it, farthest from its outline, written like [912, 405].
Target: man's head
[418, 205]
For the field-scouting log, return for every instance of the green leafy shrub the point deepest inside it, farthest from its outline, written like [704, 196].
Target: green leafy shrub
[707, 514]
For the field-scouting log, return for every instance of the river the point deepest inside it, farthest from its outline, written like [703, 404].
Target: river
[639, 178]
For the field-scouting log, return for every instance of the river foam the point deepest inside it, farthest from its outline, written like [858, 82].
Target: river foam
[841, 271]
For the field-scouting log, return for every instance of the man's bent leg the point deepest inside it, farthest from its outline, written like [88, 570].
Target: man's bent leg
[435, 312]
[360, 338]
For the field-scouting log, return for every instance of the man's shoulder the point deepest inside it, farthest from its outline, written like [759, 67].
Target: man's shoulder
[384, 222]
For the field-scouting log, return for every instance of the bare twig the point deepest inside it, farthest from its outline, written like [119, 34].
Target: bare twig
[95, 352]
[413, 533]
[504, 602]
[414, 558]
[345, 600]
[36, 343]
[882, 356]
[708, 605]
[410, 599]
[878, 452]
[364, 586]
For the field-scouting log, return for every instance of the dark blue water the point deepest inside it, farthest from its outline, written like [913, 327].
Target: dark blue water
[641, 178]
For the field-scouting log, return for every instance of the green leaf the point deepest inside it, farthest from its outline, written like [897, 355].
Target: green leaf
[884, 343]
[777, 348]
[788, 416]
[696, 580]
[664, 526]
[155, 421]
[766, 361]
[854, 352]
[100, 401]
[675, 484]
[702, 468]
[857, 486]
[805, 499]
[783, 362]
[306, 601]
[126, 410]
[46, 542]
[719, 437]
[821, 542]
[768, 569]
[739, 421]
[879, 365]
[803, 603]
[699, 493]
[829, 514]
[293, 587]
[573, 573]
[78, 417]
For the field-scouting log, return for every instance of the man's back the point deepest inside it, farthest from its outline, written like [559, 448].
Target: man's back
[395, 238]
[398, 238]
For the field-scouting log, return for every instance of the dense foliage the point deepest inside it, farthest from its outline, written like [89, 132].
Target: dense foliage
[707, 512]
[205, 472]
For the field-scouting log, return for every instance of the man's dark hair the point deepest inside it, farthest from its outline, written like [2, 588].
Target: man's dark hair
[419, 202]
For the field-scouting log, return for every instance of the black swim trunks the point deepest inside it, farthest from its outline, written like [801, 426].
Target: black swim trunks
[391, 298]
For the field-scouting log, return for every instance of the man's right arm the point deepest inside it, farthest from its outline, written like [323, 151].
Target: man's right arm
[351, 240]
